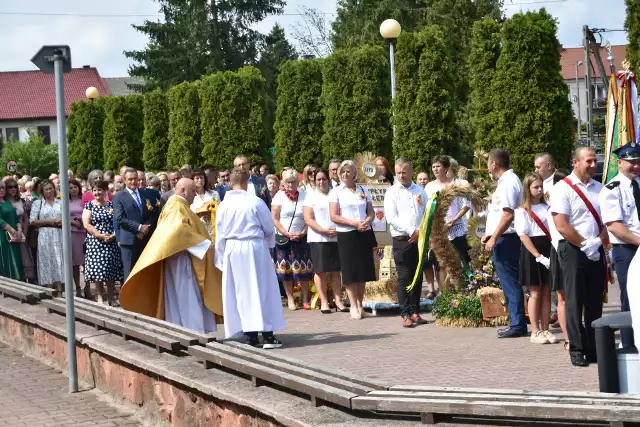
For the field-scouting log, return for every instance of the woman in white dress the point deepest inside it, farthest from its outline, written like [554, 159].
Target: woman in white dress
[46, 216]
[203, 196]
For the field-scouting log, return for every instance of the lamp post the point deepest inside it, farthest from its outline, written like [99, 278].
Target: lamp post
[578, 64]
[390, 29]
[92, 93]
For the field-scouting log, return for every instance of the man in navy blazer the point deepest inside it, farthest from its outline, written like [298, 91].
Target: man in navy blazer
[256, 184]
[136, 212]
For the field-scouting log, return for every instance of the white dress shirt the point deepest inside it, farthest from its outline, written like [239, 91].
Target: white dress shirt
[404, 208]
[618, 204]
[564, 200]
[319, 202]
[508, 195]
[526, 226]
[461, 226]
[547, 186]
[353, 205]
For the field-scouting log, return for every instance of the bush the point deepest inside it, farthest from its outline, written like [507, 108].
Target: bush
[299, 119]
[184, 131]
[425, 97]
[84, 135]
[455, 305]
[356, 99]
[123, 129]
[156, 129]
[33, 157]
[232, 116]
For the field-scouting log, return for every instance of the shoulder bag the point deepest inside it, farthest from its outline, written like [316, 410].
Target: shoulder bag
[282, 241]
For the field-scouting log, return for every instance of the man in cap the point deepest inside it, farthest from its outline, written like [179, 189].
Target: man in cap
[619, 204]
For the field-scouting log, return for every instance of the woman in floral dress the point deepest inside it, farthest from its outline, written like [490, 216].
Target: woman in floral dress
[46, 216]
[102, 259]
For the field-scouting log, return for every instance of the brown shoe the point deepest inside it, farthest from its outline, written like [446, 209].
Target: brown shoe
[417, 320]
[407, 322]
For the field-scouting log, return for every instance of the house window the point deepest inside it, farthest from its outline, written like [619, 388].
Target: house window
[43, 131]
[13, 134]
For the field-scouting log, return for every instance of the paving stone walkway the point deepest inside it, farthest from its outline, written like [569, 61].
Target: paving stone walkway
[33, 394]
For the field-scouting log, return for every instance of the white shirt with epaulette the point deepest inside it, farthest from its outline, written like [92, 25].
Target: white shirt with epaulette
[617, 204]
[565, 200]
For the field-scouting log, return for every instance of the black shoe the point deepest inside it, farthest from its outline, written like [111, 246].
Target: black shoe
[511, 333]
[591, 358]
[271, 342]
[578, 359]
[253, 342]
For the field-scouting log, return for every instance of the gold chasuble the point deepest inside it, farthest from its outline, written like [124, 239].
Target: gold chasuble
[178, 229]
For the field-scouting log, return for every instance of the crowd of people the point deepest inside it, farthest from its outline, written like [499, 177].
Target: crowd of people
[320, 222]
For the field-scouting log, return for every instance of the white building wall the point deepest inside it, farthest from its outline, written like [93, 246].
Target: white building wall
[31, 123]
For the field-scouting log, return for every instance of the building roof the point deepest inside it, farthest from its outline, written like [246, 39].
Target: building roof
[31, 94]
[570, 56]
[118, 86]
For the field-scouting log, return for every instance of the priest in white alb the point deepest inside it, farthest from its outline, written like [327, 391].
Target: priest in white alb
[175, 278]
[250, 292]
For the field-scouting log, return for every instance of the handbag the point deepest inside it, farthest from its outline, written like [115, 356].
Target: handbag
[32, 239]
[282, 241]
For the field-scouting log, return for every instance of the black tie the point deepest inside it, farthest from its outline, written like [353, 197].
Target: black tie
[636, 195]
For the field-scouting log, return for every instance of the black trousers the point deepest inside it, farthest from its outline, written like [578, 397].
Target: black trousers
[405, 255]
[584, 288]
[622, 256]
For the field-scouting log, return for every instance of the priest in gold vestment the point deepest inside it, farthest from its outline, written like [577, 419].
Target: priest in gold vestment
[175, 278]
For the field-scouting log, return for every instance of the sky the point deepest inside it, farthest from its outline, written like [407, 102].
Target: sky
[100, 40]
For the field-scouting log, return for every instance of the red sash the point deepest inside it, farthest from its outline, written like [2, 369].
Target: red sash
[589, 206]
[539, 222]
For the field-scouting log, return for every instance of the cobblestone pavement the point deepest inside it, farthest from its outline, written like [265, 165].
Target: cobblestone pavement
[33, 394]
[430, 355]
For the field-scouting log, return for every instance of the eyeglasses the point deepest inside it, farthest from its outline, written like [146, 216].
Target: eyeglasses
[9, 187]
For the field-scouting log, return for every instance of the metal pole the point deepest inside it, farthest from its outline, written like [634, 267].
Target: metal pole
[587, 65]
[66, 226]
[578, 102]
[392, 62]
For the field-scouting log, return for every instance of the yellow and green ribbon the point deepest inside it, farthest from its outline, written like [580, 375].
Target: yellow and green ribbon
[426, 225]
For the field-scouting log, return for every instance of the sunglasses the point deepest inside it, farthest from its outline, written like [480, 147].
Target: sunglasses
[9, 187]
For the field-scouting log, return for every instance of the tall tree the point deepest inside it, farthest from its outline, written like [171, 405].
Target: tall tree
[358, 21]
[122, 129]
[531, 112]
[184, 125]
[425, 101]
[277, 51]
[85, 135]
[632, 25]
[299, 118]
[156, 129]
[313, 33]
[198, 37]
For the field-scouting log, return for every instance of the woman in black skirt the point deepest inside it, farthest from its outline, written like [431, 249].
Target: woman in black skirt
[531, 225]
[352, 212]
[321, 235]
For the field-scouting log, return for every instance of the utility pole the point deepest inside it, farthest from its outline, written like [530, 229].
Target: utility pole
[587, 66]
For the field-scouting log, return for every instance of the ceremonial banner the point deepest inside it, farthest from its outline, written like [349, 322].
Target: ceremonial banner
[611, 143]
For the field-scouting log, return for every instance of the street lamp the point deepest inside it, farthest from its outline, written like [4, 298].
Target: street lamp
[390, 29]
[92, 93]
[578, 64]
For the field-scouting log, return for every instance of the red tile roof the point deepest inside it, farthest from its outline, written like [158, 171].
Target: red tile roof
[32, 94]
[569, 57]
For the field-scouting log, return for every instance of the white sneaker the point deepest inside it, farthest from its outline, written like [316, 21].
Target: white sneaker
[539, 338]
[550, 337]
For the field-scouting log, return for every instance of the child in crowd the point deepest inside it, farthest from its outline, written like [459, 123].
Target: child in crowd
[531, 225]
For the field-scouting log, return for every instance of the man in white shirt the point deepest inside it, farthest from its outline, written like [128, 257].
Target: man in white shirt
[502, 240]
[619, 204]
[404, 205]
[422, 179]
[546, 167]
[580, 252]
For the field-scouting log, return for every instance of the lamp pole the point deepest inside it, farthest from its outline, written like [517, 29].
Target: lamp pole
[57, 60]
[390, 29]
[578, 64]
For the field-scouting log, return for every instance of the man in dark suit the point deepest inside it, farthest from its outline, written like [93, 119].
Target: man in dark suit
[136, 213]
[257, 184]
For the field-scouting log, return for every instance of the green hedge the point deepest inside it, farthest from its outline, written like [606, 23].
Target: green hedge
[84, 135]
[156, 128]
[299, 119]
[356, 99]
[425, 97]
[123, 129]
[184, 125]
[232, 116]
[632, 25]
[531, 112]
